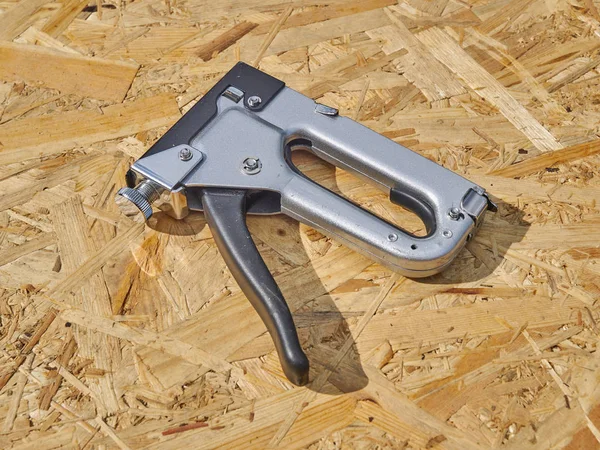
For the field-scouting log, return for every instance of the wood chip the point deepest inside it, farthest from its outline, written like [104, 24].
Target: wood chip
[225, 40]
[69, 73]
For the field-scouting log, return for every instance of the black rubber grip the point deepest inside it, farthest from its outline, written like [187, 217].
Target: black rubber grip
[225, 212]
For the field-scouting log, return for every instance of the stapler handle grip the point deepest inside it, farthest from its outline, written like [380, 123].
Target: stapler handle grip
[225, 212]
[357, 228]
[411, 180]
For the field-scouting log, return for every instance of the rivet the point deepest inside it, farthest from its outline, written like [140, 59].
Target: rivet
[454, 213]
[252, 166]
[254, 101]
[185, 154]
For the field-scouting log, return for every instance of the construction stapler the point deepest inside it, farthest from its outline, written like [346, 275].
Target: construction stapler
[230, 155]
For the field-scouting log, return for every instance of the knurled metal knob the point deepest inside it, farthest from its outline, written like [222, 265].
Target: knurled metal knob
[136, 203]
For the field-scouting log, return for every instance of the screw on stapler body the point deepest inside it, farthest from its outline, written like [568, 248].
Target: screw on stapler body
[252, 166]
[185, 154]
[454, 213]
[254, 101]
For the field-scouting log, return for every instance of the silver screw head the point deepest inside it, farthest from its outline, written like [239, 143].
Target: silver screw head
[252, 166]
[250, 163]
[447, 234]
[254, 101]
[392, 237]
[454, 213]
[185, 154]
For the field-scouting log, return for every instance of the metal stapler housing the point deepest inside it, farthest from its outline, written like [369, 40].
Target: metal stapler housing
[230, 155]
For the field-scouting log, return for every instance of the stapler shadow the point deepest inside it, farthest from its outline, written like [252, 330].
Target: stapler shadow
[231, 155]
[322, 328]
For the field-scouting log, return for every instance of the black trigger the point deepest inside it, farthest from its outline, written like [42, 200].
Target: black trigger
[263, 202]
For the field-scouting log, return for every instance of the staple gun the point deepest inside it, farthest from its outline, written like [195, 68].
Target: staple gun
[230, 155]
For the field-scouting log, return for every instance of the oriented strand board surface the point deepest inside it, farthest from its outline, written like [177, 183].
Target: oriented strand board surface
[118, 335]
[69, 73]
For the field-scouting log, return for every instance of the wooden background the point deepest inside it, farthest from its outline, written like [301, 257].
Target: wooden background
[117, 335]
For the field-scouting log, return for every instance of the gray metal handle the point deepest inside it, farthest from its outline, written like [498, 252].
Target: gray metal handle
[364, 232]
[447, 203]
[354, 147]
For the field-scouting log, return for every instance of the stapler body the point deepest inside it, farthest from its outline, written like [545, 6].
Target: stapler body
[230, 155]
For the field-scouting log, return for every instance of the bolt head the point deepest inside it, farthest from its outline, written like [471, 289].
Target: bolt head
[254, 101]
[392, 237]
[454, 213]
[185, 154]
[252, 166]
[447, 234]
[250, 163]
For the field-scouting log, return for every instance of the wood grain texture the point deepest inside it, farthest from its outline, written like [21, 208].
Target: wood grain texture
[83, 76]
[75, 246]
[120, 335]
[63, 17]
[549, 160]
[15, 20]
[447, 51]
[225, 40]
[31, 138]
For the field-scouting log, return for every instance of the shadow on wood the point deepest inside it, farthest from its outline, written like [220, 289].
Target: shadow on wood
[321, 326]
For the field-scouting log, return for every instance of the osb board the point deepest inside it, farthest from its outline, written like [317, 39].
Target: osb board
[116, 335]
